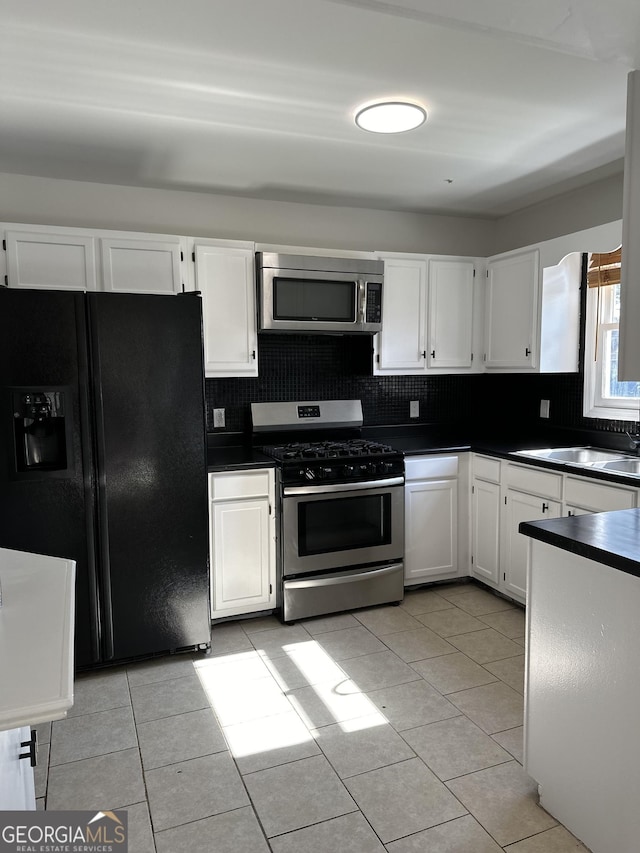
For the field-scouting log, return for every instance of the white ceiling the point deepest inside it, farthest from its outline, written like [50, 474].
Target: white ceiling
[256, 97]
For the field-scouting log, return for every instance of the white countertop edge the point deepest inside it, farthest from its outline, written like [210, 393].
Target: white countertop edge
[33, 716]
[57, 703]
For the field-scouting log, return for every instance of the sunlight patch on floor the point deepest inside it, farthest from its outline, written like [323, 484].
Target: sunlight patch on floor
[257, 704]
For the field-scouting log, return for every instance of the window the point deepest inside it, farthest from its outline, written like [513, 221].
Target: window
[604, 395]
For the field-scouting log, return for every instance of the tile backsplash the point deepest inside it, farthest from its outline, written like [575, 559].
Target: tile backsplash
[322, 367]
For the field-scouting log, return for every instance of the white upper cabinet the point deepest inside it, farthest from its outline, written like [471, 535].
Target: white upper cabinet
[428, 317]
[141, 266]
[511, 311]
[225, 277]
[401, 346]
[450, 312]
[38, 256]
[532, 310]
[50, 259]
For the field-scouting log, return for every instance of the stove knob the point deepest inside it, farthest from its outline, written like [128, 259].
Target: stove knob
[387, 467]
[366, 468]
[325, 473]
[309, 474]
[348, 470]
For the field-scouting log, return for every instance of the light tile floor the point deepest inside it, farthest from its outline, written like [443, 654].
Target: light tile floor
[392, 729]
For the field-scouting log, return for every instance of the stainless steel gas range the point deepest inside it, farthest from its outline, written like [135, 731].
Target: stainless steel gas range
[341, 501]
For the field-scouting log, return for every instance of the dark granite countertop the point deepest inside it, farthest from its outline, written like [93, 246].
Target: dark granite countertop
[610, 538]
[227, 451]
[236, 458]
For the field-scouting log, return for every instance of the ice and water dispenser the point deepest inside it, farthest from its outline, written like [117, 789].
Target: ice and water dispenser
[41, 431]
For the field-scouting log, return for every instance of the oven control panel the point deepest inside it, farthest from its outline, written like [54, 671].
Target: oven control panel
[308, 411]
[343, 471]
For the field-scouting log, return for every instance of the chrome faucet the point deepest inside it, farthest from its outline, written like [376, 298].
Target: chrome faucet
[635, 441]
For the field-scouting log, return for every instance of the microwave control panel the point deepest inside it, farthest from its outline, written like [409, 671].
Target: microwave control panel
[374, 302]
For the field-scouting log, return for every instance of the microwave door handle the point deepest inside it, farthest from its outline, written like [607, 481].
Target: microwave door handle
[362, 301]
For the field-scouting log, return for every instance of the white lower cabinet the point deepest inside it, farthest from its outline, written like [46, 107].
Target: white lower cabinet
[17, 792]
[485, 533]
[582, 495]
[519, 507]
[504, 494]
[431, 519]
[242, 542]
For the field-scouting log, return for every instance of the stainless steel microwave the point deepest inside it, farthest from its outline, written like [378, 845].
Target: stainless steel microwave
[298, 293]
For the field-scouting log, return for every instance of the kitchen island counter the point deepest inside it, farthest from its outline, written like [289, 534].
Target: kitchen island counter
[582, 676]
[611, 538]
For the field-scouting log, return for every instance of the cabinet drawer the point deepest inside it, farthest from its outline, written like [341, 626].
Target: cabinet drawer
[598, 497]
[236, 484]
[535, 481]
[430, 467]
[486, 469]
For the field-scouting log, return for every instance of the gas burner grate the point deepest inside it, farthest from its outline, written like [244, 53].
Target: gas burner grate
[326, 450]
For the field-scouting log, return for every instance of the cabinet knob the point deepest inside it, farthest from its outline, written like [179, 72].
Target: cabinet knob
[253, 355]
[433, 353]
[423, 354]
[527, 351]
[545, 507]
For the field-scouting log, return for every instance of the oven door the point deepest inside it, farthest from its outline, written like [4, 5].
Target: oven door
[337, 526]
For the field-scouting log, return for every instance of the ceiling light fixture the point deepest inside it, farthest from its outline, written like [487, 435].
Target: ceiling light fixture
[390, 116]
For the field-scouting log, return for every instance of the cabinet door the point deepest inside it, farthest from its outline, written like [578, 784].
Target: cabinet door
[431, 530]
[485, 535]
[50, 260]
[514, 552]
[241, 557]
[450, 313]
[511, 314]
[141, 266]
[225, 277]
[401, 346]
[16, 774]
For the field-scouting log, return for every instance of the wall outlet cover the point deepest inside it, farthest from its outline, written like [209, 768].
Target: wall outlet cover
[544, 408]
[414, 409]
[218, 418]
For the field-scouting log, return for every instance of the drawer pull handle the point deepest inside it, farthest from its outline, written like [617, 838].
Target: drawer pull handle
[32, 752]
[545, 507]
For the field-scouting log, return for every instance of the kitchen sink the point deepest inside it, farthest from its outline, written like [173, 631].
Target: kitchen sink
[623, 466]
[611, 461]
[576, 455]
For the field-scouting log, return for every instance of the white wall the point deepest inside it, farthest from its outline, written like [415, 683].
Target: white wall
[45, 201]
[595, 204]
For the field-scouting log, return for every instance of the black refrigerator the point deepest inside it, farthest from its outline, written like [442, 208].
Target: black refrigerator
[103, 461]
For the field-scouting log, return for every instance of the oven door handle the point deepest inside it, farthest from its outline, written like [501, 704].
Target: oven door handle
[341, 578]
[342, 487]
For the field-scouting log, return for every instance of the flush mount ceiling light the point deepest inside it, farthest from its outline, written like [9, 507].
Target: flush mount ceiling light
[390, 116]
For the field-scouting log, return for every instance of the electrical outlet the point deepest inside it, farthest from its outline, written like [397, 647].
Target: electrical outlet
[544, 408]
[218, 418]
[414, 409]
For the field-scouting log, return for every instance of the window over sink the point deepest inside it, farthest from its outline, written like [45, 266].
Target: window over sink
[605, 396]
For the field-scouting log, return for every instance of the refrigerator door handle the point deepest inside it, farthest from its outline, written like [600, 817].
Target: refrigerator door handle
[101, 488]
[88, 468]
